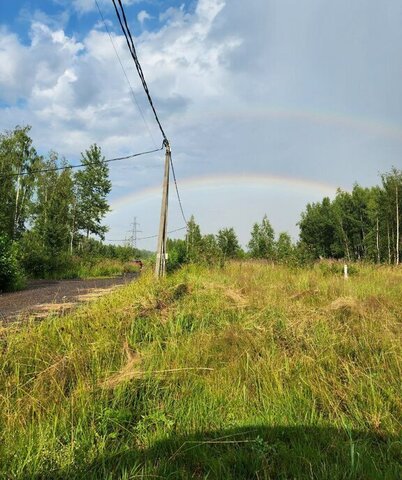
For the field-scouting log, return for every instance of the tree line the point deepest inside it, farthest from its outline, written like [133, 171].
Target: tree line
[48, 210]
[216, 249]
[361, 225]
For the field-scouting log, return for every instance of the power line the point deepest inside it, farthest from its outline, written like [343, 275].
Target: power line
[130, 43]
[121, 15]
[54, 169]
[133, 96]
[177, 192]
[146, 238]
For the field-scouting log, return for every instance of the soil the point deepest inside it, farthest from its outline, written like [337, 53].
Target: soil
[42, 297]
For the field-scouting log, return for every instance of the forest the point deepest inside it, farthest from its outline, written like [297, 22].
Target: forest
[51, 220]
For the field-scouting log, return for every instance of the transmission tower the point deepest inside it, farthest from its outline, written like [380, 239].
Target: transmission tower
[134, 233]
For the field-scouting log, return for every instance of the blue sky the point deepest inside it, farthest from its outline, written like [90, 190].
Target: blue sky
[77, 18]
[268, 104]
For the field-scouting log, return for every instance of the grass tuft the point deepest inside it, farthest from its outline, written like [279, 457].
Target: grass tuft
[249, 371]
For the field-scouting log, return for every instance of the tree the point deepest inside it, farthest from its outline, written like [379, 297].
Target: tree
[392, 185]
[17, 155]
[228, 243]
[92, 187]
[262, 243]
[374, 241]
[46, 244]
[284, 248]
[53, 212]
[194, 240]
[318, 228]
[209, 251]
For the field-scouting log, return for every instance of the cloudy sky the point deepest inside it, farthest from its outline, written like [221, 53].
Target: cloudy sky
[268, 104]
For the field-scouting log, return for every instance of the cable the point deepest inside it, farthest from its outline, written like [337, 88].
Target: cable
[53, 169]
[155, 236]
[177, 191]
[130, 43]
[133, 96]
[146, 238]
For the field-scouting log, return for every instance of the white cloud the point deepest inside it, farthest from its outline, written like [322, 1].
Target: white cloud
[143, 15]
[239, 86]
[78, 86]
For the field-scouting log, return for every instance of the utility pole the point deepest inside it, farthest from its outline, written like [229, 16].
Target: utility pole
[161, 255]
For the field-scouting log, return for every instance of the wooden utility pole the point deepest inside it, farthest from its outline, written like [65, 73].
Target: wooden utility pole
[397, 222]
[161, 256]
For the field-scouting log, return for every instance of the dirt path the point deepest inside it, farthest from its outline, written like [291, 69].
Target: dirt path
[42, 297]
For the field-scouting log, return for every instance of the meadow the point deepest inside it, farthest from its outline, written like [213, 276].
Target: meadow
[250, 371]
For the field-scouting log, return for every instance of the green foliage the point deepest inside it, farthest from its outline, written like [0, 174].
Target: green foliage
[335, 268]
[49, 211]
[228, 243]
[317, 228]
[262, 243]
[53, 208]
[93, 186]
[16, 155]
[193, 238]
[101, 267]
[210, 253]
[11, 276]
[361, 225]
[177, 253]
[284, 249]
[91, 248]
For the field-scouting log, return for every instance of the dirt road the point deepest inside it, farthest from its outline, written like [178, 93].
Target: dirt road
[42, 297]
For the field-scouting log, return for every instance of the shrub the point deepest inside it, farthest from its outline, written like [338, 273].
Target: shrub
[11, 275]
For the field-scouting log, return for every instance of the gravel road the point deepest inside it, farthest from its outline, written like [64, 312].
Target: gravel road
[44, 296]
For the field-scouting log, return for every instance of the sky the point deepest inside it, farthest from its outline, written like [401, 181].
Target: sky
[268, 104]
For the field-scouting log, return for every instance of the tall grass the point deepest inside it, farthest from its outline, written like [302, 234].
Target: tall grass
[250, 371]
[94, 268]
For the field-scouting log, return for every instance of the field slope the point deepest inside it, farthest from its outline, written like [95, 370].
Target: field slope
[245, 372]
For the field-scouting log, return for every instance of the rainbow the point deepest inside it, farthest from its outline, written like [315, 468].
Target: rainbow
[267, 181]
[363, 124]
[230, 181]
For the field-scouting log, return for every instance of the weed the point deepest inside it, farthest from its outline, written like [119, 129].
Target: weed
[248, 371]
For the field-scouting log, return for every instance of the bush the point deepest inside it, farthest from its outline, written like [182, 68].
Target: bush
[331, 267]
[177, 254]
[11, 275]
[39, 262]
[104, 267]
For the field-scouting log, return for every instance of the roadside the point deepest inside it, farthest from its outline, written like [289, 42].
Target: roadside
[42, 297]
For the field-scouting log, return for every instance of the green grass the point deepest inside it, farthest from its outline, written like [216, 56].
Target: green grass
[95, 268]
[105, 268]
[248, 372]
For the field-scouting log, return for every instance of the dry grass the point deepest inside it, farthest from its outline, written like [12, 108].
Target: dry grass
[251, 371]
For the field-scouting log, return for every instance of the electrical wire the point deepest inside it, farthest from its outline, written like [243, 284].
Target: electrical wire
[130, 43]
[146, 238]
[133, 96]
[54, 169]
[177, 191]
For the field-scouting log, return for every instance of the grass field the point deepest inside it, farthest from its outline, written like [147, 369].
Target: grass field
[246, 372]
